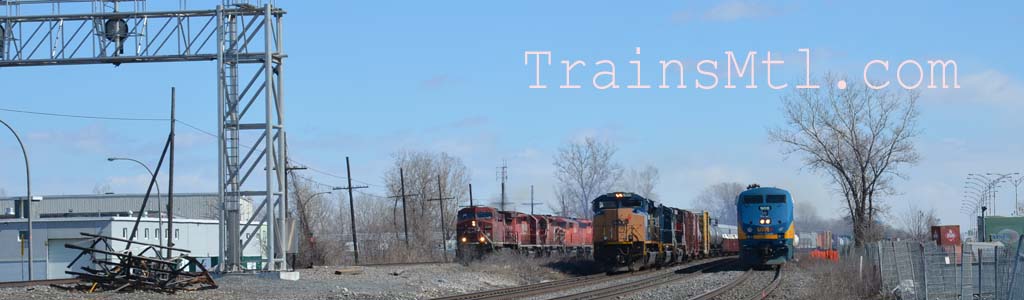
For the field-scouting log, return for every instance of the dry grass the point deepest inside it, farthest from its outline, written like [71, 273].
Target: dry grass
[840, 280]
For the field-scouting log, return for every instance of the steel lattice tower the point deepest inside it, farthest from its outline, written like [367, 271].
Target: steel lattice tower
[244, 39]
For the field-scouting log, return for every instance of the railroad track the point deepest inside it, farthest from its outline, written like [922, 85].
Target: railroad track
[761, 293]
[614, 291]
[402, 264]
[553, 286]
[12, 284]
[531, 289]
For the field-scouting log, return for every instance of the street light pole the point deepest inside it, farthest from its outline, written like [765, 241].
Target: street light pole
[28, 193]
[1016, 204]
[159, 205]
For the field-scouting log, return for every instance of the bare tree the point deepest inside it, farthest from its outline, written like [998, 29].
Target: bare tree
[3, 193]
[858, 136]
[585, 170]
[917, 222]
[642, 181]
[807, 218]
[720, 200]
[422, 171]
[314, 212]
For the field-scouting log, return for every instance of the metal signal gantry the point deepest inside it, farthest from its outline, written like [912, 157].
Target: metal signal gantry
[245, 40]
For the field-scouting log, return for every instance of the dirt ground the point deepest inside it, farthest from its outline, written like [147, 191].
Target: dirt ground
[366, 282]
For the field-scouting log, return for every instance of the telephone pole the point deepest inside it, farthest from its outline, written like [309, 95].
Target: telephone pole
[351, 210]
[405, 222]
[470, 195]
[444, 231]
[170, 185]
[532, 203]
[503, 176]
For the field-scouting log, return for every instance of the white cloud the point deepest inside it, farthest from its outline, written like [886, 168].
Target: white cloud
[989, 86]
[736, 10]
[95, 138]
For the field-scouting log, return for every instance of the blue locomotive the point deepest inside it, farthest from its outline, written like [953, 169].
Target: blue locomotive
[766, 231]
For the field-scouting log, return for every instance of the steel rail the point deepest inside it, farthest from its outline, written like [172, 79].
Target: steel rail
[725, 288]
[613, 292]
[771, 287]
[530, 290]
[523, 290]
[743, 278]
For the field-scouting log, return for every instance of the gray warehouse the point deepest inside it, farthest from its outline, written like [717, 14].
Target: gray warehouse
[59, 220]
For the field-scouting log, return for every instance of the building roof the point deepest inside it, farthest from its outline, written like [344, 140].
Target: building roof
[186, 205]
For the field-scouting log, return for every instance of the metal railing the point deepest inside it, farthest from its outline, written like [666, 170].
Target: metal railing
[926, 271]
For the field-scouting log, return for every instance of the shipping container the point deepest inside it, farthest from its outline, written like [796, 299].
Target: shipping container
[946, 235]
[807, 240]
[825, 240]
[1004, 229]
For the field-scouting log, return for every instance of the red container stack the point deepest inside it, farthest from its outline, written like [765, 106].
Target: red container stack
[946, 235]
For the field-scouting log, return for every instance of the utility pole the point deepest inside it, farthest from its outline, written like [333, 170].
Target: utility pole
[405, 220]
[503, 176]
[532, 203]
[288, 170]
[351, 210]
[444, 231]
[470, 195]
[170, 185]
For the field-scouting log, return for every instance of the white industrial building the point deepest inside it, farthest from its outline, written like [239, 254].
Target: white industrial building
[59, 220]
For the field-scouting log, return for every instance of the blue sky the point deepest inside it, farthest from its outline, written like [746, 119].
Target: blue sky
[369, 78]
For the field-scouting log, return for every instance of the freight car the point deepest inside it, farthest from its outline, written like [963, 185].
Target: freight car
[483, 229]
[632, 232]
[767, 231]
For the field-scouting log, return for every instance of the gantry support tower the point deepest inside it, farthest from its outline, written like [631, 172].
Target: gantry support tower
[244, 39]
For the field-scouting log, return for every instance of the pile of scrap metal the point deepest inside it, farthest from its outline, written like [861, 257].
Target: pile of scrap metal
[140, 266]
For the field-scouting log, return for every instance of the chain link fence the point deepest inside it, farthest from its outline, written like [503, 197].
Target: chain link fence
[926, 271]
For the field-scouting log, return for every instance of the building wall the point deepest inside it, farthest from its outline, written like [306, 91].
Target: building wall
[198, 236]
[14, 253]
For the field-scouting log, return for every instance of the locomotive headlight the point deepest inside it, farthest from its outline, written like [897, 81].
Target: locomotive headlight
[463, 239]
[472, 223]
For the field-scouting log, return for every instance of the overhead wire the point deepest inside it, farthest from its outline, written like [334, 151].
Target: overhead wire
[179, 121]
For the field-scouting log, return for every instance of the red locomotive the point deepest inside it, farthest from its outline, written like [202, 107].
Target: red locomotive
[482, 229]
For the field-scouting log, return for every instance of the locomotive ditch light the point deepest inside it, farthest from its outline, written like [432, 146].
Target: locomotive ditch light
[482, 239]
[463, 239]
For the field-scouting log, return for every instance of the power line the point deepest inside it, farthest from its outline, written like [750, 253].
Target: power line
[194, 127]
[82, 116]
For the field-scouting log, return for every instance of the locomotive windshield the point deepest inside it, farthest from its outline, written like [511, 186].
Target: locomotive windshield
[631, 202]
[776, 198]
[752, 199]
[465, 215]
[605, 204]
[484, 215]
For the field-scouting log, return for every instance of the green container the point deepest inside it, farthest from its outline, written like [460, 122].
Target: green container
[1004, 229]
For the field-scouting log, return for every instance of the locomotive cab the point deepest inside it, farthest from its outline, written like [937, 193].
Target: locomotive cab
[766, 228]
[476, 224]
[621, 231]
[475, 228]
